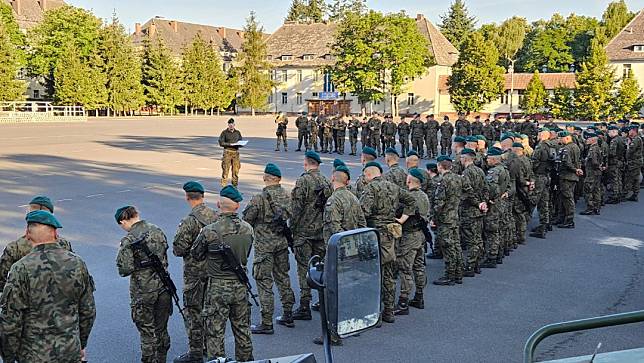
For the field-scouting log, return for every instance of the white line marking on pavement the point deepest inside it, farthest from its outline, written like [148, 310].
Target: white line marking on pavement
[94, 195]
[124, 191]
[23, 206]
[63, 200]
[150, 187]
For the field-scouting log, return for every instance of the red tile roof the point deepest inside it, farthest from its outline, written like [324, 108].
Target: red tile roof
[521, 80]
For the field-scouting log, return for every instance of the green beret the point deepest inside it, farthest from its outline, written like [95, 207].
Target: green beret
[590, 135]
[612, 127]
[578, 128]
[471, 139]
[506, 136]
[43, 201]
[338, 162]
[344, 169]
[633, 127]
[272, 169]
[412, 153]
[417, 173]
[591, 128]
[563, 133]
[231, 121]
[193, 186]
[494, 151]
[314, 156]
[459, 139]
[624, 129]
[120, 211]
[373, 164]
[432, 166]
[304, 113]
[544, 129]
[597, 124]
[517, 144]
[369, 151]
[481, 138]
[443, 158]
[231, 193]
[391, 150]
[43, 217]
[467, 151]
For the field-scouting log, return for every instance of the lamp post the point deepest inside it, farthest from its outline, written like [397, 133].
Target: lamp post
[511, 71]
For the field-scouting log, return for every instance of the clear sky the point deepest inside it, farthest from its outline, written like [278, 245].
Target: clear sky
[271, 13]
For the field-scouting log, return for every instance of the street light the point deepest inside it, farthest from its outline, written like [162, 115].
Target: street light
[511, 71]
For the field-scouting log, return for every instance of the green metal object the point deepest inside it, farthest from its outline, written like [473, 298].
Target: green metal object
[577, 325]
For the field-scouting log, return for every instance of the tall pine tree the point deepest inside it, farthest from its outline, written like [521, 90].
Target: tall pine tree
[315, 11]
[615, 18]
[339, 9]
[593, 95]
[11, 89]
[297, 12]
[628, 100]
[534, 99]
[561, 103]
[161, 78]
[254, 78]
[457, 24]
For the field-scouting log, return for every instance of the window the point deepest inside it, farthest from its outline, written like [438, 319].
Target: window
[410, 99]
[287, 57]
[315, 94]
[36, 93]
[270, 98]
[299, 75]
[638, 48]
[274, 75]
[376, 102]
[284, 98]
[328, 57]
[299, 98]
[627, 68]
[307, 57]
[284, 75]
[316, 76]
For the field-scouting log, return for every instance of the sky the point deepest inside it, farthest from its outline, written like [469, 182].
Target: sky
[271, 13]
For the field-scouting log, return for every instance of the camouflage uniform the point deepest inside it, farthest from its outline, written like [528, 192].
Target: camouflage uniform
[508, 221]
[226, 297]
[150, 301]
[327, 135]
[497, 183]
[308, 206]
[396, 175]
[417, 135]
[496, 124]
[271, 249]
[389, 133]
[476, 128]
[230, 160]
[403, 137]
[488, 131]
[431, 138]
[359, 186]
[380, 201]
[462, 127]
[374, 134]
[410, 254]
[194, 281]
[616, 156]
[342, 212]
[354, 125]
[521, 170]
[542, 166]
[447, 130]
[592, 182]
[282, 122]
[568, 179]
[633, 165]
[313, 130]
[364, 133]
[445, 213]
[340, 136]
[18, 249]
[47, 307]
[302, 132]
[474, 193]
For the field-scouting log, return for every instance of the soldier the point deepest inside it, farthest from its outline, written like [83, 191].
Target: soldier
[368, 154]
[389, 132]
[226, 297]
[447, 130]
[521, 170]
[593, 173]
[489, 130]
[327, 132]
[431, 137]
[410, 255]
[497, 183]
[364, 133]
[477, 126]
[542, 159]
[282, 121]
[508, 125]
[302, 124]
[313, 130]
[380, 201]
[616, 158]
[354, 126]
[462, 125]
[150, 300]
[459, 145]
[374, 133]
[21, 247]
[308, 199]
[432, 184]
[413, 162]
[403, 136]
[568, 177]
[230, 161]
[268, 214]
[445, 218]
[194, 281]
[417, 134]
[47, 305]
[341, 129]
[321, 121]
[395, 174]
[498, 127]
[472, 209]
[633, 164]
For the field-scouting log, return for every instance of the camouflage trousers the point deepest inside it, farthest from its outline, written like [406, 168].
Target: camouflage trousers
[431, 143]
[390, 141]
[281, 137]
[230, 162]
[304, 250]
[374, 140]
[151, 320]
[567, 188]
[269, 267]
[449, 238]
[388, 285]
[302, 137]
[327, 143]
[404, 145]
[353, 140]
[542, 189]
[364, 139]
[417, 145]
[227, 300]
[339, 144]
[313, 142]
[508, 224]
[446, 146]
[632, 182]
[410, 263]
[593, 192]
[614, 182]
[472, 236]
[193, 303]
[492, 228]
[520, 221]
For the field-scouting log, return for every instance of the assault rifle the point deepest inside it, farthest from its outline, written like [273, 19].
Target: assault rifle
[233, 264]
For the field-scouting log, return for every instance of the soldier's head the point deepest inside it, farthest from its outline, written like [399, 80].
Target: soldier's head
[565, 137]
[506, 142]
[412, 160]
[272, 174]
[633, 131]
[430, 117]
[231, 124]
[432, 169]
[591, 138]
[467, 156]
[372, 170]
[481, 143]
[477, 118]
[229, 199]
[613, 131]
[312, 161]
[416, 116]
[494, 156]
[461, 115]
[444, 163]
[446, 118]
[126, 217]
[368, 154]
[194, 193]
[414, 179]
[340, 177]
[471, 142]
[517, 148]
[41, 227]
[391, 156]
[459, 144]
[544, 134]
[41, 202]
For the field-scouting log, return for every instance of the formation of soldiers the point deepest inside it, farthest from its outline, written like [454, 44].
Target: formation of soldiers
[474, 203]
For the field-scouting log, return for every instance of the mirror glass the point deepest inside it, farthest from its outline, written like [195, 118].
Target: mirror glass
[358, 282]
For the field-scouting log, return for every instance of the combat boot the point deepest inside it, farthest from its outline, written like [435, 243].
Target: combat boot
[458, 280]
[335, 340]
[262, 329]
[402, 308]
[286, 320]
[189, 357]
[303, 313]
[549, 227]
[506, 252]
[444, 281]
[469, 272]
[569, 225]
[489, 263]
[539, 232]
[388, 316]
[477, 269]
[418, 302]
[587, 212]
[315, 306]
[632, 198]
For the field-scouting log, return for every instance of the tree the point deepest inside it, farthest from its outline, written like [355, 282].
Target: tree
[339, 9]
[315, 11]
[161, 78]
[546, 47]
[615, 18]
[581, 30]
[535, 96]
[594, 85]
[122, 69]
[12, 30]
[78, 79]
[628, 100]
[297, 12]
[561, 103]
[255, 81]
[476, 78]
[10, 88]
[509, 39]
[457, 24]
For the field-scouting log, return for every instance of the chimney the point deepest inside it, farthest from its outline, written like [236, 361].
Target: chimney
[17, 6]
[152, 30]
[419, 17]
[222, 32]
[137, 28]
[174, 25]
[43, 5]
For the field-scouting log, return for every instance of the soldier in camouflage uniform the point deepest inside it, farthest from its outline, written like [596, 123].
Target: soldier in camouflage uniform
[616, 156]
[194, 280]
[403, 136]
[354, 126]
[542, 159]
[458, 145]
[410, 253]
[374, 133]
[413, 162]
[308, 200]
[226, 296]
[282, 123]
[302, 131]
[431, 137]
[569, 174]
[417, 134]
[368, 154]
[340, 135]
[497, 183]
[476, 127]
[389, 133]
[498, 126]
[462, 125]
[327, 135]
[447, 130]
[230, 160]
[21, 247]
[593, 173]
[380, 201]
[634, 162]
[150, 300]
[395, 174]
[521, 170]
[268, 213]
[313, 129]
[47, 307]
[432, 184]
[488, 130]
[472, 210]
[364, 133]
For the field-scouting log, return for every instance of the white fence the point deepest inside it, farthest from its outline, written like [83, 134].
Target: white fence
[25, 112]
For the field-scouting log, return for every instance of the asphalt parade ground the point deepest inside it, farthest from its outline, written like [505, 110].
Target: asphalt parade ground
[90, 169]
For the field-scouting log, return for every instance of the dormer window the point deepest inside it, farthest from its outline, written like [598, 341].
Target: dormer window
[328, 57]
[638, 48]
[287, 57]
[307, 57]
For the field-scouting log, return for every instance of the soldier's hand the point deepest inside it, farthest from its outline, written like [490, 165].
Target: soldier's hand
[432, 224]
[505, 195]
[483, 207]
[579, 172]
[83, 357]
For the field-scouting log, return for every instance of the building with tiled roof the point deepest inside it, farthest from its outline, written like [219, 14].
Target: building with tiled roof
[29, 13]
[626, 50]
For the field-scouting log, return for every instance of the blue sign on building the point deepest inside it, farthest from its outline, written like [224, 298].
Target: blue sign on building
[329, 95]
